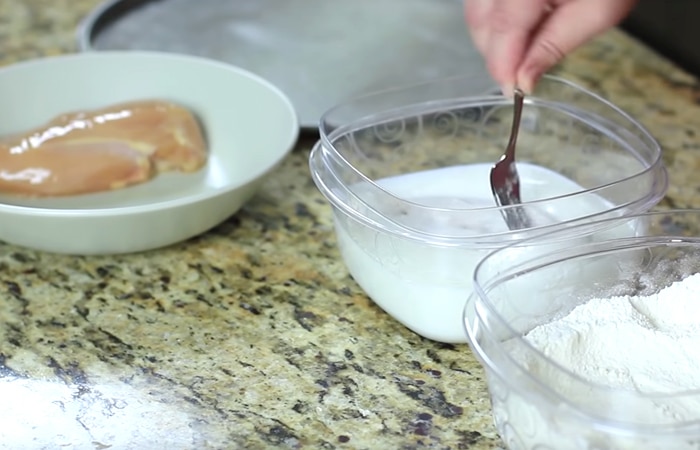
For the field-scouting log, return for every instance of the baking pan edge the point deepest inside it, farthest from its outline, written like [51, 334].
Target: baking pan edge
[100, 17]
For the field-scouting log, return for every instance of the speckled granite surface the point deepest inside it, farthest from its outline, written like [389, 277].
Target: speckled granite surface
[253, 335]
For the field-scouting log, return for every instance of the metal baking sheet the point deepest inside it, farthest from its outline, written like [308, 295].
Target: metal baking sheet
[319, 52]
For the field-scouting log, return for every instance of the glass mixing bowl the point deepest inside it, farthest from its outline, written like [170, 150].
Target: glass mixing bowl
[539, 403]
[407, 174]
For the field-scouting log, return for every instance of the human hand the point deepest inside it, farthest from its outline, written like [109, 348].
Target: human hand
[522, 39]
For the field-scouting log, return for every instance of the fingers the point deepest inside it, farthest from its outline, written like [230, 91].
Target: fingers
[476, 14]
[512, 23]
[570, 25]
[522, 39]
[501, 30]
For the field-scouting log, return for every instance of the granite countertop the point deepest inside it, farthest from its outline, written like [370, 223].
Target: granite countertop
[253, 335]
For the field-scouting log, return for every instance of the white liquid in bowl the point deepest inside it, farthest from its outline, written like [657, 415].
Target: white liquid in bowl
[425, 286]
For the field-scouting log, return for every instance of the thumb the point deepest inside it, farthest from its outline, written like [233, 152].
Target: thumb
[570, 25]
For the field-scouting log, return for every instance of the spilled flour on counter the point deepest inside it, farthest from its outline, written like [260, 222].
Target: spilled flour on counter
[37, 415]
[645, 343]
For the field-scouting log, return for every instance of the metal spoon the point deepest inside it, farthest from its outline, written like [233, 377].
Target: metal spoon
[505, 183]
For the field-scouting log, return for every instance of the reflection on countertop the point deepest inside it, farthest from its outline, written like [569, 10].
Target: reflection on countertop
[253, 335]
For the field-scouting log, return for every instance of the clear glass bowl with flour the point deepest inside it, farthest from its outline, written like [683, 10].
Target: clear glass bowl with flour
[407, 174]
[594, 346]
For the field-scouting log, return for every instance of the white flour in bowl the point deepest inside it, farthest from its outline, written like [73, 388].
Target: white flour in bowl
[647, 344]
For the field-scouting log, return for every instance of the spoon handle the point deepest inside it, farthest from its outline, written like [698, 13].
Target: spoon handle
[517, 113]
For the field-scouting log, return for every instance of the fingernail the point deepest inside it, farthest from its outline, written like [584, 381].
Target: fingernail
[507, 90]
[527, 79]
[527, 88]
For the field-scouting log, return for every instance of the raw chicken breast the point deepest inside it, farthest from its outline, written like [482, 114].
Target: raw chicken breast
[103, 149]
[71, 168]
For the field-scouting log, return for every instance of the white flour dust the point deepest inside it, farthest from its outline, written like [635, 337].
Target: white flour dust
[47, 415]
[648, 344]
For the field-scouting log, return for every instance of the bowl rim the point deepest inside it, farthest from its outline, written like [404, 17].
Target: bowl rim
[325, 149]
[478, 297]
[291, 129]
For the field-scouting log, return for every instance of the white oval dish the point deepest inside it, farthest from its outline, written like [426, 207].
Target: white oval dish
[250, 126]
